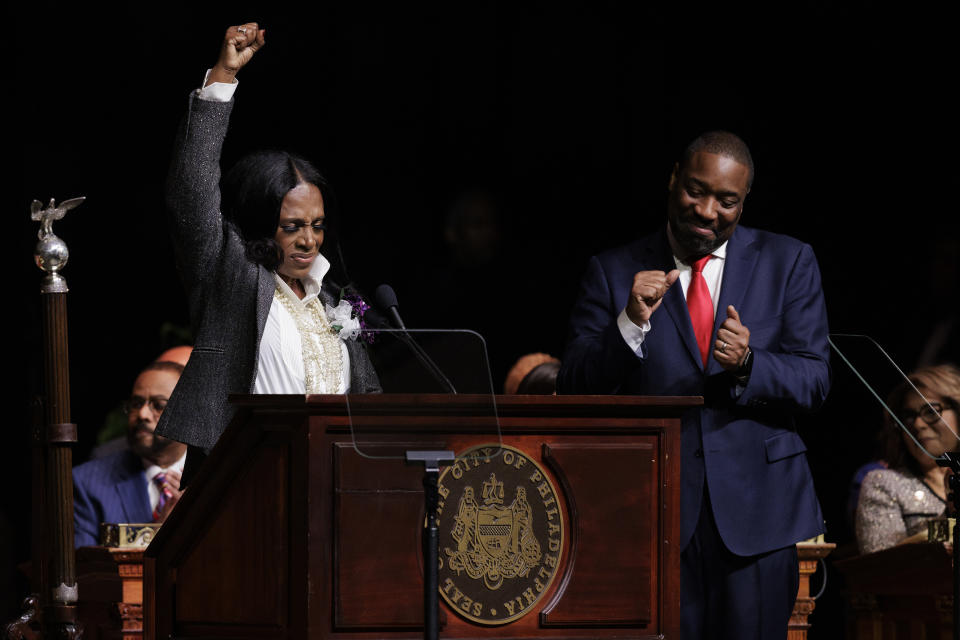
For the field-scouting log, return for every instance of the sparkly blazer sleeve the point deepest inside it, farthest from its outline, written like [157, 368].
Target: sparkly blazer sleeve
[880, 523]
[894, 505]
[193, 193]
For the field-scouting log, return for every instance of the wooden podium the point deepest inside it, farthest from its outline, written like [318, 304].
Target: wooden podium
[288, 532]
[111, 593]
[904, 593]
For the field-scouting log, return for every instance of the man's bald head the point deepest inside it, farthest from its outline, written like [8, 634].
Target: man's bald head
[722, 143]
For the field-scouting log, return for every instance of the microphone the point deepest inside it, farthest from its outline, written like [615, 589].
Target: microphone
[386, 299]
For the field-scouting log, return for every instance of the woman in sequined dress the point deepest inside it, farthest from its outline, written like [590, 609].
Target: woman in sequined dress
[896, 503]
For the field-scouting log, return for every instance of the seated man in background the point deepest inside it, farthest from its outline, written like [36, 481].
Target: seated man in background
[142, 483]
[112, 436]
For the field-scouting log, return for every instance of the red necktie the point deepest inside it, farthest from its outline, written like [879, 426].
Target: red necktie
[700, 305]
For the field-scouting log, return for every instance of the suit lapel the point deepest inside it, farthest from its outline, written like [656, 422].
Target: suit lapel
[360, 374]
[266, 285]
[326, 297]
[737, 275]
[659, 256]
[131, 490]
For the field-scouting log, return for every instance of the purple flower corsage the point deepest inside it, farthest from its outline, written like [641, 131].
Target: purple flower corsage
[346, 319]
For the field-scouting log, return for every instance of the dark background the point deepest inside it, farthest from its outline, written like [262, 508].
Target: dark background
[559, 123]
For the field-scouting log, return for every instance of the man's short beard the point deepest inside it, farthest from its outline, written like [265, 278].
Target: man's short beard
[694, 245]
[158, 445]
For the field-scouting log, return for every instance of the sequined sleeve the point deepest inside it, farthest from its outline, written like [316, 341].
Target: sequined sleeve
[879, 518]
[193, 190]
[894, 504]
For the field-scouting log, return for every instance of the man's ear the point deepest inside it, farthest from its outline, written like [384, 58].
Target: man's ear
[673, 176]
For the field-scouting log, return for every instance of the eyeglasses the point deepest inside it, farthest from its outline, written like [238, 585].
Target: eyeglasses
[135, 403]
[928, 413]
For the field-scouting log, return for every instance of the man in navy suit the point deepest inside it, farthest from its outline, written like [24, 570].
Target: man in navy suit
[756, 302]
[142, 483]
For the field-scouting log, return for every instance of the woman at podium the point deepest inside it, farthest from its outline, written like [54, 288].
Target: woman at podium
[265, 315]
[896, 503]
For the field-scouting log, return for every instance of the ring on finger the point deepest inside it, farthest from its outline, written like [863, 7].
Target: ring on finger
[723, 347]
[242, 29]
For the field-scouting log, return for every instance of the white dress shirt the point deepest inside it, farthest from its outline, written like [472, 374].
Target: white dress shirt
[280, 361]
[151, 471]
[634, 334]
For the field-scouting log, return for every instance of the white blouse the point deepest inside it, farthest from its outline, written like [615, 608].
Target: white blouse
[280, 361]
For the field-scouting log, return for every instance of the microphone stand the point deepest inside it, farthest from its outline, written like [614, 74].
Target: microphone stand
[414, 346]
[426, 360]
[431, 460]
[951, 460]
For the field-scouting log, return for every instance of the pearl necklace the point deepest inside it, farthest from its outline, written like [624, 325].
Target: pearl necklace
[322, 354]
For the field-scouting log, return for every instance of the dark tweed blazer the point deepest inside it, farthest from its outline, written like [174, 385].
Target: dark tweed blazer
[229, 296]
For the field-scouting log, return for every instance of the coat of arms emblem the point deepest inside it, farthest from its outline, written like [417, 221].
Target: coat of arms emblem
[494, 540]
[505, 537]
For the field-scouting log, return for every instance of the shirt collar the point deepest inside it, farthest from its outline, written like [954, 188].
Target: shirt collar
[151, 470]
[719, 252]
[311, 283]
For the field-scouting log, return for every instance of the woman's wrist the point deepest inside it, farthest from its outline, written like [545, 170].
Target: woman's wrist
[221, 74]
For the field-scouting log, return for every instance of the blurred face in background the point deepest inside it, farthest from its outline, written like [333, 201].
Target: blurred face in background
[935, 434]
[149, 397]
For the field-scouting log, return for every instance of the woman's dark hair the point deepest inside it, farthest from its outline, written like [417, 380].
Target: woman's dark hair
[542, 379]
[252, 193]
[943, 380]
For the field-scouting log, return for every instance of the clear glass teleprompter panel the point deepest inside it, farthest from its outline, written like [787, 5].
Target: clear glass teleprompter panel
[437, 390]
[881, 375]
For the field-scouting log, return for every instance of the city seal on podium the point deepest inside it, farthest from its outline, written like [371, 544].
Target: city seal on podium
[501, 534]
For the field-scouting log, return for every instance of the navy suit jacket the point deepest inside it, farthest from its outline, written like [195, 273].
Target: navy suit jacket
[744, 446]
[110, 489]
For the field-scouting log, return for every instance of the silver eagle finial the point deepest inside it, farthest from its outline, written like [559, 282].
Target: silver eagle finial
[46, 216]
[51, 253]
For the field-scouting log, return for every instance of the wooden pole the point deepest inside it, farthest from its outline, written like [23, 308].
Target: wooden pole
[60, 437]
[55, 576]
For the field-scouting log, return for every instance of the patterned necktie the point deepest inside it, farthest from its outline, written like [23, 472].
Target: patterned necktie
[700, 305]
[159, 479]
